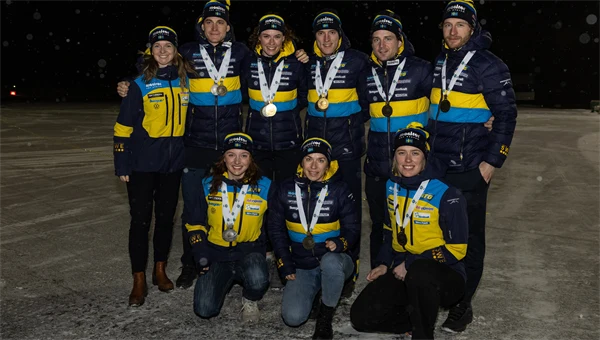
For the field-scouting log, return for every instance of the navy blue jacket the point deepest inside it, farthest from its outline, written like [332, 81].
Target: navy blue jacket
[284, 130]
[342, 124]
[148, 134]
[338, 221]
[410, 103]
[210, 117]
[483, 89]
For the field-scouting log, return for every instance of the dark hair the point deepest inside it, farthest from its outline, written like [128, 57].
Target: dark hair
[150, 67]
[251, 176]
[289, 36]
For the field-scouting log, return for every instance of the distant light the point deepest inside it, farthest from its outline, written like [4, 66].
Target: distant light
[13, 93]
[14, 86]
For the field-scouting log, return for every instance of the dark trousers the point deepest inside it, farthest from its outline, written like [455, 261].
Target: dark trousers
[148, 190]
[191, 182]
[277, 165]
[352, 175]
[212, 287]
[375, 192]
[390, 305]
[475, 189]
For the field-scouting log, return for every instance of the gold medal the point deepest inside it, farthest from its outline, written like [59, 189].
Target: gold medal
[445, 104]
[309, 242]
[387, 110]
[322, 104]
[268, 110]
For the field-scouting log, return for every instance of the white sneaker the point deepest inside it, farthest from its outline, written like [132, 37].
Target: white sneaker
[250, 312]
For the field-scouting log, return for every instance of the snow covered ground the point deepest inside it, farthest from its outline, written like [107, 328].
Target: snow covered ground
[65, 270]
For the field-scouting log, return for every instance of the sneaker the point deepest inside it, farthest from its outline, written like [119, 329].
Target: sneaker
[187, 277]
[274, 279]
[250, 312]
[459, 317]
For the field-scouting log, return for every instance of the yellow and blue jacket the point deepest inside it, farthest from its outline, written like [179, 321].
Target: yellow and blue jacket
[484, 88]
[148, 134]
[284, 130]
[210, 117]
[338, 221]
[205, 224]
[342, 124]
[410, 103]
[438, 227]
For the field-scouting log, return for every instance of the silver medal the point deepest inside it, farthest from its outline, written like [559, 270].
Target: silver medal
[213, 90]
[229, 235]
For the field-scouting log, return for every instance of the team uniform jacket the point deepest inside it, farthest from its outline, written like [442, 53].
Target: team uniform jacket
[210, 117]
[337, 220]
[483, 89]
[148, 134]
[438, 227]
[206, 225]
[342, 123]
[284, 130]
[410, 103]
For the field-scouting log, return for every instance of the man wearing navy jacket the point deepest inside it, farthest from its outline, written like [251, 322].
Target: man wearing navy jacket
[470, 84]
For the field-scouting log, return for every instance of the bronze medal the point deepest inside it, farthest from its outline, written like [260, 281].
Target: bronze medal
[268, 110]
[221, 90]
[322, 104]
[445, 105]
[309, 242]
[387, 110]
[213, 89]
[402, 240]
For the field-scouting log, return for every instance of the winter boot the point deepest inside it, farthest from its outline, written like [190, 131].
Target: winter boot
[324, 329]
[250, 312]
[159, 277]
[187, 277]
[139, 291]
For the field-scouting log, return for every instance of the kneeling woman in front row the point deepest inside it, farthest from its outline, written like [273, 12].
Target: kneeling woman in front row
[226, 231]
[312, 224]
[425, 240]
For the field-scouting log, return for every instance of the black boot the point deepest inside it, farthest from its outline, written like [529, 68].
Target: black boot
[314, 312]
[324, 329]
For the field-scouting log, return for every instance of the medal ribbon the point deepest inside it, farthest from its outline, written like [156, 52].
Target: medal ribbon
[268, 93]
[456, 74]
[318, 206]
[212, 69]
[323, 89]
[394, 82]
[231, 215]
[412, 205]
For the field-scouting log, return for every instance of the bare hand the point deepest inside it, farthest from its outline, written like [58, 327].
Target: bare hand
[330, 245]
[123, 88]
[400, 271]
[124, 178]
[489, 123]
[290, 277]
[204, 270]
[377, 272]
[487, 171]
[302, 56]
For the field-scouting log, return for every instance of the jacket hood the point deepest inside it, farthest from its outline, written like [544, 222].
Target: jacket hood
[406, 50]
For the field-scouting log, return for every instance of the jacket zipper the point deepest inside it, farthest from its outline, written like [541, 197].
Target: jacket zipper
[216, 107]
[241, 215]
[462, 142]
[172, 120]
[179, 106]
[386, 100]
[296, 126]
[271, 118]
[404, 213]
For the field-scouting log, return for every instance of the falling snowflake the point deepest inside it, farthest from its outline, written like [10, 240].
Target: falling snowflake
[102, 63]
[584, 38]
[591, 19]
[37, 16]
[29, 36]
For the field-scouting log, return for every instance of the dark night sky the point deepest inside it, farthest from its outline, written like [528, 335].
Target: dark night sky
[79, 50]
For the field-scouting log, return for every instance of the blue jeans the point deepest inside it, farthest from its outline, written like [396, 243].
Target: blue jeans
[299, 294]
[191, 182]
[212, 287]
